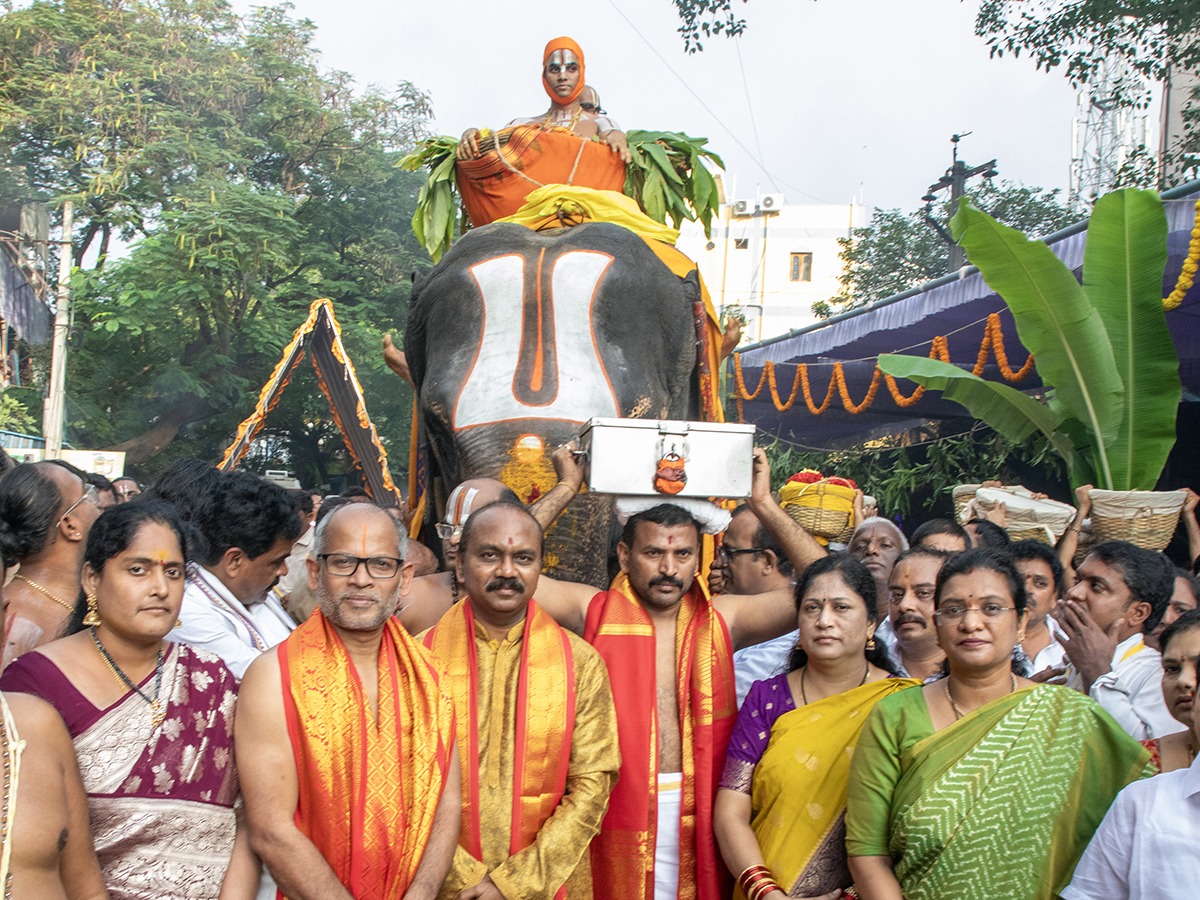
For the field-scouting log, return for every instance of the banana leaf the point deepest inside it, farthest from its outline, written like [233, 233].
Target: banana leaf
[1006, 410]
[1123, 265]
[1055, 320]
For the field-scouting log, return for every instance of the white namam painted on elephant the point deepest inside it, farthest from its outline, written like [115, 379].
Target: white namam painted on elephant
[556, 374]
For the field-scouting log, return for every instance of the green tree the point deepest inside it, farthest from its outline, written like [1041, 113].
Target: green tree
[248, 180]
[898, 250]
[707, 18]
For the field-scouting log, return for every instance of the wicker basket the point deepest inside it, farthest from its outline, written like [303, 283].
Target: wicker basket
[822, 509]
[963, 495]
[1145, 518]
[1028, 518]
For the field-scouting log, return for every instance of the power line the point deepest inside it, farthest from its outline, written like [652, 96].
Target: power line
[708, 110]
[750, 107]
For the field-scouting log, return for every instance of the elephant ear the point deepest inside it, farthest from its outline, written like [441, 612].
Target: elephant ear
[414, 333]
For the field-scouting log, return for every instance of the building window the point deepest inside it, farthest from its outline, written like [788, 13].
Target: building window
[741, 243]
[801, 267]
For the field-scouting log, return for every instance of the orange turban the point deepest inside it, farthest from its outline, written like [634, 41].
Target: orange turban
[562, 43]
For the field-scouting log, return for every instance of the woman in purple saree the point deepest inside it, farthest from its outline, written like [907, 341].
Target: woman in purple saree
[152, 721]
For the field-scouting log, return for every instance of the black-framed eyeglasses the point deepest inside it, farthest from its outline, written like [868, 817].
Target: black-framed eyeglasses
[726, 554]
[346, 565]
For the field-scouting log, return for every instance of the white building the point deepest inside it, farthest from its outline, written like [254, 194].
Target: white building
[771, 260]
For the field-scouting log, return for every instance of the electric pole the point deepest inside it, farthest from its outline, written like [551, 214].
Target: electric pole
[956, 179]
[52, 410]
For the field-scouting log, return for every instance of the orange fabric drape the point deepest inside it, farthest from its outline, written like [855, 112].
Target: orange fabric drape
[369, 788]
[496, 184]
[543, 727]
[622, 632]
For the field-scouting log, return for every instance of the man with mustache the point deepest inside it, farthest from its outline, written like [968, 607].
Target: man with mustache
[915, 651]
[669, 651]
[344, 736]
[537, 727]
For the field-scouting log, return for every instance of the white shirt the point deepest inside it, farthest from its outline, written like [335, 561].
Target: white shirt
[216, 620]
[1053, 654]
[1148, 846]
[1131, 692]
[297, 566]
[761, 661]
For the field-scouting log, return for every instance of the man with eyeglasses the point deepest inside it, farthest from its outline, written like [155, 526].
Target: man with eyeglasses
[46, 512]
[753, 561]
[345, 737]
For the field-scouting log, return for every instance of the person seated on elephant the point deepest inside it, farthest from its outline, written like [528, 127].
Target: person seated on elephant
[669, 771]
[563, 80]
[432, 595]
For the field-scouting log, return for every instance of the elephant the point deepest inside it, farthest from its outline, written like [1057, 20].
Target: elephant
[517, 338]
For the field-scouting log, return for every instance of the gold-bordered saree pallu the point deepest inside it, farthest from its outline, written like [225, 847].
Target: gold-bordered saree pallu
[800, 788]
[369, 788]
[623, 852]
[1003, 802]
[545, 721]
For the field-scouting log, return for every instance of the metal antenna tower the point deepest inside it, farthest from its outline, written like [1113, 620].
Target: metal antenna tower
[1108, 129]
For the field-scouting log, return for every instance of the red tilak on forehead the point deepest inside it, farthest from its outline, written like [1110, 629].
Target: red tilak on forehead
[510, 542]
[670, 538]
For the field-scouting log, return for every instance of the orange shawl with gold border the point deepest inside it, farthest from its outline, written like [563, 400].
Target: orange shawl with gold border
[622, 632]
[369, 788]
[543, 727]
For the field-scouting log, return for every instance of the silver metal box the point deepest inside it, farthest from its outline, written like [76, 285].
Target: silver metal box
[624, 456]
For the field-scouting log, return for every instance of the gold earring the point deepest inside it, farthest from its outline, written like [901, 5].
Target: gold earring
[871, 642]
[93, 613]
[179, 623]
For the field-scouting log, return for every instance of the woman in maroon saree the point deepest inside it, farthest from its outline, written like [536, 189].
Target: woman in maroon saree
[152, 721]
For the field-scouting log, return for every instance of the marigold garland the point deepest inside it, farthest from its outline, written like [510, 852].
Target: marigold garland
[992, 344]
[1187, 275]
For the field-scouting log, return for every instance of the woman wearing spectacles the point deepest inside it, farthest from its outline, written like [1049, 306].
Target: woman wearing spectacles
[780, 824]
[981, 784]
[152, 721]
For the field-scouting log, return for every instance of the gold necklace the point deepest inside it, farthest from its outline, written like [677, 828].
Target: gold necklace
[804, 671]
[958, 713]
[69, 607]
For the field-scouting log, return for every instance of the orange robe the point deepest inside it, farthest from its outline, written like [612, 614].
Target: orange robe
[369, 789]
[496, 184]
[623, 852]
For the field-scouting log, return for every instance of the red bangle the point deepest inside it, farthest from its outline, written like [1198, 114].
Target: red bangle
[750, 875]
[763, 888]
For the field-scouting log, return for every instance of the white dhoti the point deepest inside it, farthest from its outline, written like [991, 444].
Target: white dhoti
[666, 844]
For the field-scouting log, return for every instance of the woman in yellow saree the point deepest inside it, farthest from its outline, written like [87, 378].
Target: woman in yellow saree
[780, 809]
[981, 785]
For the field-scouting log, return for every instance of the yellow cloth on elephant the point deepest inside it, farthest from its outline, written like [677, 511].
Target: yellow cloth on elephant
[561, 206]
[488, 685]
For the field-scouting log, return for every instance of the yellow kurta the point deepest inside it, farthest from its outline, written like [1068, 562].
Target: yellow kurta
[559, 854]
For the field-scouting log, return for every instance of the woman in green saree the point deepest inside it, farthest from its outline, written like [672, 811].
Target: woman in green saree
[982, 784]
[780, 810]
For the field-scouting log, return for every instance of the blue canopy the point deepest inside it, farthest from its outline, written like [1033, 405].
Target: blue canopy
[956, 306]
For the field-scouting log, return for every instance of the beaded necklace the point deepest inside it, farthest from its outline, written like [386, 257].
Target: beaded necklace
[157, 711]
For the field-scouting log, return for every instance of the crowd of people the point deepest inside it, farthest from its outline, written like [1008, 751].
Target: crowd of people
[218, 688]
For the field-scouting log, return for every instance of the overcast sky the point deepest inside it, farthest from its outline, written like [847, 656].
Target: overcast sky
[822, 101]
